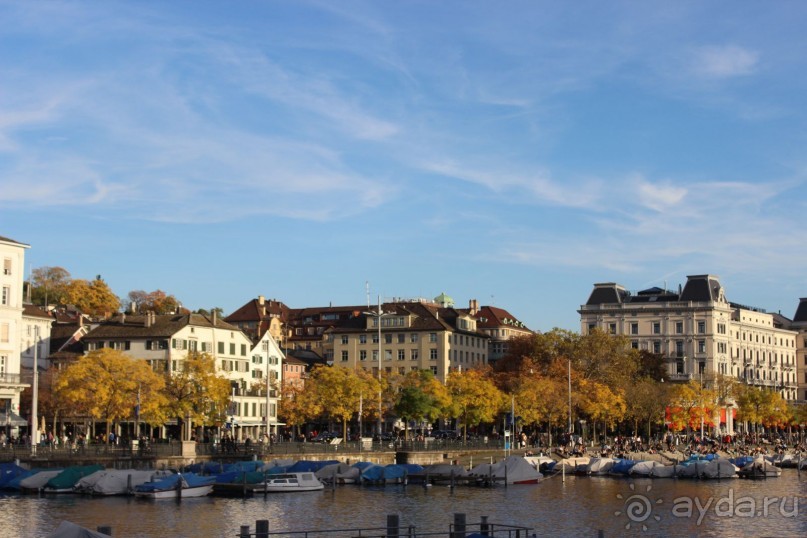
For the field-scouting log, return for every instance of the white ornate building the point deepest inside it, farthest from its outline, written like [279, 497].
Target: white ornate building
[698, 331]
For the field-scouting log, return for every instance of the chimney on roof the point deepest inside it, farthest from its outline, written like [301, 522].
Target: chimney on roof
[214, 317]
[148, 319]
[473, 305]
[123, 319]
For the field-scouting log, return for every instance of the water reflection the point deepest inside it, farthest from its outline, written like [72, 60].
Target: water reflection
[578, 507]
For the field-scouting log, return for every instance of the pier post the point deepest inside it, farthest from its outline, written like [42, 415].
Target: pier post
[483, 526]
[262, 528]
[459, 526]
[244, 533]
[105, 529]
[392, 525]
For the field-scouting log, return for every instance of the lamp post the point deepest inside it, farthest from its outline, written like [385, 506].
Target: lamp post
[268, 423]
[378, 314]
[35, 396]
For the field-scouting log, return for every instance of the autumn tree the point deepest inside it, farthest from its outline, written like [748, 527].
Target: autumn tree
[646, 401]
[155, 301]
[474, 398]
[540, 399]
[105, 384]
[338, 391]
[601, 403]
[92, 297]
[196, 391]
[761, 407]
[691, 404]
[49, 285]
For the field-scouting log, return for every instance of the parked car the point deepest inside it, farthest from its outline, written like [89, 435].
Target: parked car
[324, 437]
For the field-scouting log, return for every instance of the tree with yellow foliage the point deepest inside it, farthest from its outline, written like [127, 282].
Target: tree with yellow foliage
[474, 398]
[337, 392]
[94, 298]
[196, 391]
[104, 385]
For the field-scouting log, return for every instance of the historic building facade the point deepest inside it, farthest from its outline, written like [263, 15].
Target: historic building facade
[698, 331]
[12, 256]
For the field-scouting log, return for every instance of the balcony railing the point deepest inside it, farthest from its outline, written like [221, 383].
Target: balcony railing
[680, 377]
[11, 379]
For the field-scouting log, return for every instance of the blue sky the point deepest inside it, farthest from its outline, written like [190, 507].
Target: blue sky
[512, 152]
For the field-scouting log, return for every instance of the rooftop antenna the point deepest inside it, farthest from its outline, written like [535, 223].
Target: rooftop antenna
[367, 290]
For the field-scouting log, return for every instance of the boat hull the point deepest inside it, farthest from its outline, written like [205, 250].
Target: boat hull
[183, 493]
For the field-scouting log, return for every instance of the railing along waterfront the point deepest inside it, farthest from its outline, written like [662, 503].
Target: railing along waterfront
[460, 528]
[166, 449]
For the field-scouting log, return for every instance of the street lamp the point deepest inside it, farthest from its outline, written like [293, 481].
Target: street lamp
[35, 396]
[378, 314]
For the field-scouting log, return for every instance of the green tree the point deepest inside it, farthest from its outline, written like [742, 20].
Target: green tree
[421, 397]
[104, 384]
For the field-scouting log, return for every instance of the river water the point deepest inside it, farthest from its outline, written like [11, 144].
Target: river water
[580, 506]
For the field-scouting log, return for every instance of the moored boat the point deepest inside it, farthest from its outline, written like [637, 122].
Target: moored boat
[176, 486]
[290, 482]
[760, 468]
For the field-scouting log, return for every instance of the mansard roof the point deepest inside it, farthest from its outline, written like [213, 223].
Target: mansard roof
[701, 288]
[801, 311]
[607, 293]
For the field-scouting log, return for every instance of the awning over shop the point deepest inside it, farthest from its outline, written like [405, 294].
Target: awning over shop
[12, 419]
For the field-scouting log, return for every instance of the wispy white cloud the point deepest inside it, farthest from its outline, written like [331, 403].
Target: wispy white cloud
[724, 61]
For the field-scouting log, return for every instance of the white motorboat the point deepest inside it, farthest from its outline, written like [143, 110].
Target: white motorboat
[290, 482]
[652, 469]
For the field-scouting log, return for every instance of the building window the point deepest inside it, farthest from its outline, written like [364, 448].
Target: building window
[344, 356]
[232, 349]
[413, 338]
[432, 337]
[634, 328]
[701, 346]
[679, 327]
[363, 355]
[375, 355]
[387, 338]
[701, 327]
[591, 327]
[401, 338]
[6, 266]
[433, 369]
[6, 296]
[634, 344]
[401, 354]
[612, 328]
[656, 347]
[387, 354]
[362, 338]
[656, 327]
[433, 354]
[344, 339]
[414, 354]
[375, 338]
[679, 348]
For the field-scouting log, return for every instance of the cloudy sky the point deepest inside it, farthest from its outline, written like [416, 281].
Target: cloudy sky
[511, 152]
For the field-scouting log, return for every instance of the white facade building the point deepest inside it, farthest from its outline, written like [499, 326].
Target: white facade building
[698, 331]
[12, 257]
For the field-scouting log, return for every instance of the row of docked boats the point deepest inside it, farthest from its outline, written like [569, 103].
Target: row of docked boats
[708, 466]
